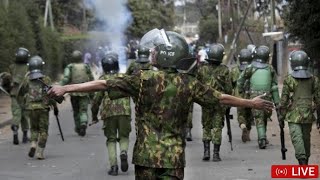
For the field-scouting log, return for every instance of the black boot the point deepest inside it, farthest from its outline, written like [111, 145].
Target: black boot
[216, 150]
[14, 129]
[262, 144]
[82, 130]
[303, 161]
[124, 161]
[113, 170]
[188, 134]
[25, 137]
[206, 153]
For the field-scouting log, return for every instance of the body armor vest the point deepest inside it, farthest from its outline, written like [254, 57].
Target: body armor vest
[302, 98]
[79, 73]
[18, 72]
[261, 80]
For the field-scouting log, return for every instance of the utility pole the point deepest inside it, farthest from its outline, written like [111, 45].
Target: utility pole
[219, 19]
[273, 15]
[48, 12]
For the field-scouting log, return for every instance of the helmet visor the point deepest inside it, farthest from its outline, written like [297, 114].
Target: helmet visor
[155, 38]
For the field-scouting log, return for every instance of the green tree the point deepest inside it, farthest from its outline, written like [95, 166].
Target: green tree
[16, 31]
[302, 20]
[149, 14]
[208, 30]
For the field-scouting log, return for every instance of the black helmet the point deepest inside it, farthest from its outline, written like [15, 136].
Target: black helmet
[215, 53]
[170, 47]
[110, 63]
[35, 67]
[299, 63]
[76, 56]
[143, 54]
[262, 54]
[22, 55]
[245, 58]
[261, 57]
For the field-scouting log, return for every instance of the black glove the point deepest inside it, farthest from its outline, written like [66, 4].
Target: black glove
[318, 123]
[56, 111]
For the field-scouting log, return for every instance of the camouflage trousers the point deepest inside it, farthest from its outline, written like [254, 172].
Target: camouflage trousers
[245, 117]
[80, 108]
[117, 128]
[39, 122]
[300, 137]
[261, 118]
[19, 115]
[189, 120]
[148, 173]
[212, 124]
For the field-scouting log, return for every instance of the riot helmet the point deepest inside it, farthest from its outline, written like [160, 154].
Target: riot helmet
[76, 56]
[262, 54]
[245, 58]
[143, 55]
[22, 55]
[299, 61]
[251, 48]
[168, 47]
[110, 63]
[35, 65]
[215, 53]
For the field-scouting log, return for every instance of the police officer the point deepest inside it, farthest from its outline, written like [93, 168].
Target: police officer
[18, 72]
[116, 116]
[38, 106]
[142, 61]
[262, 79]
[300, 91]
[217, 76]
[244, 114]
[163, 98]
[78, 72]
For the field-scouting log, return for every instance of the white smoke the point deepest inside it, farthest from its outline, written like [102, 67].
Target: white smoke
[116, 18]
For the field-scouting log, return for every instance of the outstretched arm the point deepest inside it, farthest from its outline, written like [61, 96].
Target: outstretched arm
[255, 103]
[90, 86]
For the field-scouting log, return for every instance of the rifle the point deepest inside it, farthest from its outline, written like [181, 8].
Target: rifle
[59, 100]
[58, 122]
[283, 145]
[228, 117]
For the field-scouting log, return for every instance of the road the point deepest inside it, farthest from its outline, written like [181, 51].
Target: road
[86, 158]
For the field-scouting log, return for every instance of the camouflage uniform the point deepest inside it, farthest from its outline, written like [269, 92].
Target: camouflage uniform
[160, 143]
[217, 77]
[244, 114]
[116, 119]
[300, 97]
[38, 106]
[261, 117]
[78, 73]
[18, 73]
[135, 67]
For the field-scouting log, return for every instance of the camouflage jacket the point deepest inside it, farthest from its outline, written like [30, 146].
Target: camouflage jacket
[36, 95]
[235, 73]
[299, 110]
[162, 101]
[83, 73]
[135, 67]
[18, 73]
[110, 107]
[215, 76]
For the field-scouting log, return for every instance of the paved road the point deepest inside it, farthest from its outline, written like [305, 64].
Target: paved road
[86, 158]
